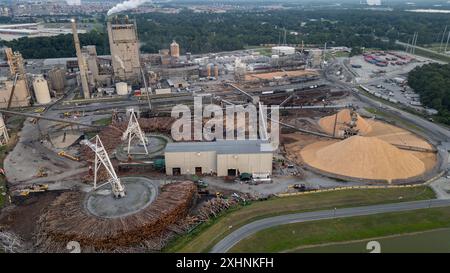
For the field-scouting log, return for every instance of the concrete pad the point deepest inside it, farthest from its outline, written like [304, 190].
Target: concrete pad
[140, 192]
[60, 142]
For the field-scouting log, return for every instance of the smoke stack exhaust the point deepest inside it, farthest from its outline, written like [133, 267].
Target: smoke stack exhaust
[127, 5]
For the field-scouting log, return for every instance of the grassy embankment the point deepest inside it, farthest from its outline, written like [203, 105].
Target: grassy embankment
[206, 235]
[103, 121]
[291, 237]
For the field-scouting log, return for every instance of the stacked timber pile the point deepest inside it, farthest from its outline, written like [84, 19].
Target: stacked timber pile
[364, 158]
[11, 243]
[111, 135]
[343, 117]
[66, 220]
[156, 124]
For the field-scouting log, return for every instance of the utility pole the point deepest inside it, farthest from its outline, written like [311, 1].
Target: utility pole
[446, 45]
[414, 43]
[442, 39]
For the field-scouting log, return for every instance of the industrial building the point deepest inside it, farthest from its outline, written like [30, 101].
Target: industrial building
[97, 74]
[175, 50]
[57, 78]
[185, 71]
[16, 84]
[283, 50]
[222, 157]
[21, 96]
[124, 47]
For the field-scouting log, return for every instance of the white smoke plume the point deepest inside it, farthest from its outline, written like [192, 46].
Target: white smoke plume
[129, 4]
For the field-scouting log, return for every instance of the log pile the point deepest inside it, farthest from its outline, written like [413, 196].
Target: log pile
[213, 207]
[11, 243]
[111, 135]
[66, 220]
[209, 209]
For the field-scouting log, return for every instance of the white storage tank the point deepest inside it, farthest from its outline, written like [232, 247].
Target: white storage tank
[121, 88]
[41, 90]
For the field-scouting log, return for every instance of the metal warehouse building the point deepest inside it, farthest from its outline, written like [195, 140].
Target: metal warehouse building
[222, 157]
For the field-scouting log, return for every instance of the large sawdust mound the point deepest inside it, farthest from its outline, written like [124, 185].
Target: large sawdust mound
[343, 116]
[365, 158]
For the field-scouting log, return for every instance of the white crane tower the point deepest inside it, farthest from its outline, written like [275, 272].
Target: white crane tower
[133, 131]
[102, 158]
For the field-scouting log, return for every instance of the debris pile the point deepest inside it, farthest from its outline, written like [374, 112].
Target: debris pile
[11, 243]
[364, 158]
[66, 220]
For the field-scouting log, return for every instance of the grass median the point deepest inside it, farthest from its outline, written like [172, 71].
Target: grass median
[206, 235]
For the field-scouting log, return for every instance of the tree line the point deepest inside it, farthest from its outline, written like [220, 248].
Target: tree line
[432, 83]
[210, 32]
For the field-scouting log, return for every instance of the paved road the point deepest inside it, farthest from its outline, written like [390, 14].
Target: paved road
[243, 232]
[421, 48]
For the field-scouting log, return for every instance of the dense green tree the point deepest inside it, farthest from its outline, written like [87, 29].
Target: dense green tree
[432, 83]
[211, 32]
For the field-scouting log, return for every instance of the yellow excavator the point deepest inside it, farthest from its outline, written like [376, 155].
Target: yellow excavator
[62, 153]
[31, 189]
[42, 172]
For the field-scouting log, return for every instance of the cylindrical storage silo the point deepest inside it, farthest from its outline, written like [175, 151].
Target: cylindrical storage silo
[175, 49]
[41, 90]
[216, 71]
[208, 70]
[121, 88]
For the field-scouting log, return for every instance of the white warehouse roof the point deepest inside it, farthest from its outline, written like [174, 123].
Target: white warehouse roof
[220, 147]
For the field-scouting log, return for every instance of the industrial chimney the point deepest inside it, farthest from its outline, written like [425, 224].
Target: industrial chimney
[81, 63]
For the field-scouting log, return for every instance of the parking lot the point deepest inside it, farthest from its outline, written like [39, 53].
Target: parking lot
[388, 82]
[368, 72]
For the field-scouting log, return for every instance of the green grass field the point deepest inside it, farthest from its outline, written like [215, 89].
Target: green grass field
[205, 236]
[341, 54]
[293, 236]
[103, 121]
[433, 56]
[430, 241]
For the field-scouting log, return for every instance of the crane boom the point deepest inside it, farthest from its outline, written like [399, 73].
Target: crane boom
[102, 158]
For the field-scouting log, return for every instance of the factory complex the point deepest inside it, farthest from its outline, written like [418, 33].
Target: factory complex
[93, 157]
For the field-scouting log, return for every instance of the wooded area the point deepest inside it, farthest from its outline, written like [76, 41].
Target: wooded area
[208, 32]
[432, 82]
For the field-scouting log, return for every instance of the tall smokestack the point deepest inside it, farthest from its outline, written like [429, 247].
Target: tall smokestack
[83, 77]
